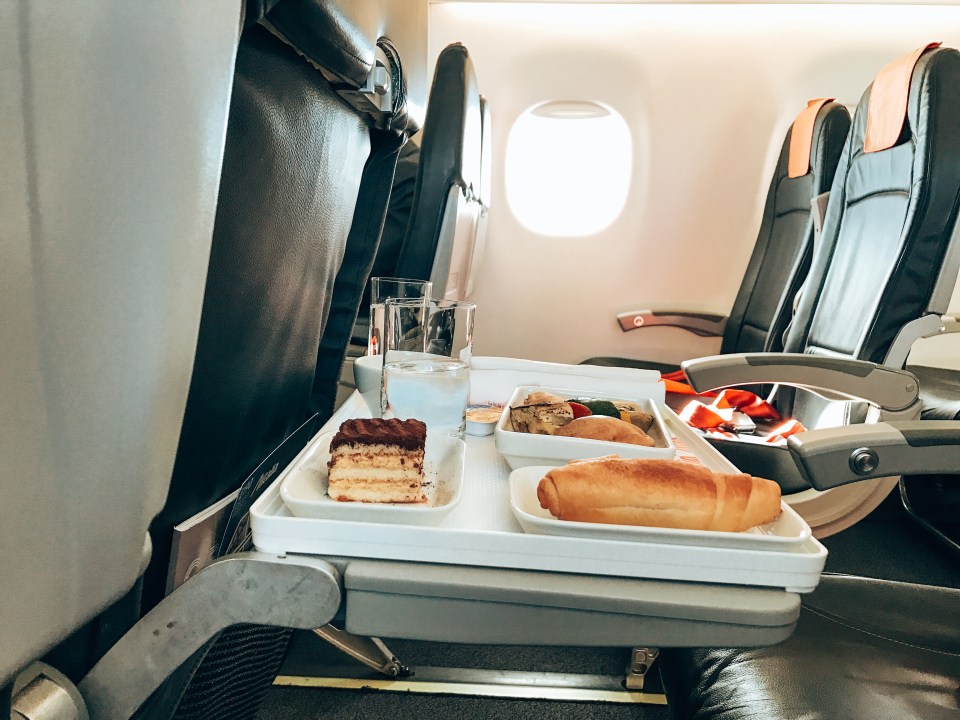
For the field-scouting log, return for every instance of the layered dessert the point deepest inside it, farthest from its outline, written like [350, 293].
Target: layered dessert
[377, 460]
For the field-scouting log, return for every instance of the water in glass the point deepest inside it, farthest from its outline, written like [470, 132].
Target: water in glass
[433, 389]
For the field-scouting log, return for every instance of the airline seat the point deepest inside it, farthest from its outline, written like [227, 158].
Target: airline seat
[863, 647]
[439, 239]
[881, 277]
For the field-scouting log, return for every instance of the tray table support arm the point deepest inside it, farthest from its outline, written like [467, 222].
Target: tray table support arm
[284, 591]
[371, 651]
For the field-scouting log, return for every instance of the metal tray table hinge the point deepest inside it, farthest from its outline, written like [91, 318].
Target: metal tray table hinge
[641, 660]
[371, 651]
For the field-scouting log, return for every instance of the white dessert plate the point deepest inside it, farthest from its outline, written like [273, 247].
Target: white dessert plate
[304, 490]
[520, 449]
[788, 529]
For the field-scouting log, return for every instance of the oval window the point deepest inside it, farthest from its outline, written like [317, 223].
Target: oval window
[567, 169]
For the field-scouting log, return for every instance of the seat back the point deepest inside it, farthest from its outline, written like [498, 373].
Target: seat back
[888, 226]
[781, 255]
[112, 125]
[882, 259]
[310, 151]
[439, 238]
[486, 190]
[296, 154]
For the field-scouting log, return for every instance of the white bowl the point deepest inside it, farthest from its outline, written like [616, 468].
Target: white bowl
[367, 371]
[523, 449]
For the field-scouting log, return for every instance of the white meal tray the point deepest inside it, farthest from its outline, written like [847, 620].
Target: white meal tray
[482, 529]
[521, 449]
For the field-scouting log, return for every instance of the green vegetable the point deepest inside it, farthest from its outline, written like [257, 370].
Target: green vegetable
[601, 407]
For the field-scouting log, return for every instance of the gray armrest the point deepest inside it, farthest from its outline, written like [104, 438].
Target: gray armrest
[702, 324]
[294, 592]
[838, 456]
[885, 387]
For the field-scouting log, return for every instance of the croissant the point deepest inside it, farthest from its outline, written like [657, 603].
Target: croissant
[657, 493]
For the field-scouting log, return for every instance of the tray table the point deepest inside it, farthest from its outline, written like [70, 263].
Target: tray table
[415, 581]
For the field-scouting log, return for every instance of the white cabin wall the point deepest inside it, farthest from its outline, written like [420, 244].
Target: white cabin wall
[708, 92]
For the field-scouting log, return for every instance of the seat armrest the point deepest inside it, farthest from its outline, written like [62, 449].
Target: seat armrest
[838, 456]
[887, 388]
[263, 588]
[702, 324]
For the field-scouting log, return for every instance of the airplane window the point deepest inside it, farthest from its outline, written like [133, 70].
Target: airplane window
[568, 166]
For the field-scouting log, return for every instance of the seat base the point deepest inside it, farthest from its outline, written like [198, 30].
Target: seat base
[939, 392]
[863, 648]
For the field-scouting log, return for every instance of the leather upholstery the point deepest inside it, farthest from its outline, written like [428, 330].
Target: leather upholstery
[939, 392]
[398, 216]
[863, 648]
[304, 189]
[341, 37]
[280, 233]
[887, 225]
[781, 256]
[362, 243]
[450, 153]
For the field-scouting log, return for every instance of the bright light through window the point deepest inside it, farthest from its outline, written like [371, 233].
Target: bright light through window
[568, 167]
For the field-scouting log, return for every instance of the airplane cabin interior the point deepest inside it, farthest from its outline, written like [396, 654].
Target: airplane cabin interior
[479, 358]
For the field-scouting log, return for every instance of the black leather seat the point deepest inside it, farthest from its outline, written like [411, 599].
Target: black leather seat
[304, 190]
[435, 219]
[863, 648]
[880, 638]
[439, 237]
[398, 215]
[939, 392]
[784, 245]
[885, 247]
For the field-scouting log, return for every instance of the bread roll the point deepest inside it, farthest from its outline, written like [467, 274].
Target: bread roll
[539, 397]
[658, 493]
[601, 427]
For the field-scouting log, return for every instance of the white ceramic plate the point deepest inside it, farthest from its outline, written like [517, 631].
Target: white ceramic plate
[305, 488]
[520, 449]
[788, 529]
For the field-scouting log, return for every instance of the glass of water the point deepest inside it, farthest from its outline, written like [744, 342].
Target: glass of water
[382, 288]
[426, 362]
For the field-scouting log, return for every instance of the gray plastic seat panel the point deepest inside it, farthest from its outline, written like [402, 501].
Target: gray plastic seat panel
[105, 235]
[485, 605]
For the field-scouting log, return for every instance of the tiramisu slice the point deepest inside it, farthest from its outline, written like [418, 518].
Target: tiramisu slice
[377, 461]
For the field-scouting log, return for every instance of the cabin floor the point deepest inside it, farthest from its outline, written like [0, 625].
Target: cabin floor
[885, 545]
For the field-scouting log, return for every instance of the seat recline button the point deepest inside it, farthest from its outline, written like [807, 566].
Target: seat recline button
[864, 461]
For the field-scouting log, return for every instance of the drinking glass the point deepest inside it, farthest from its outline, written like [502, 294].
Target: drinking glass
[426, 362]
[382, 288]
